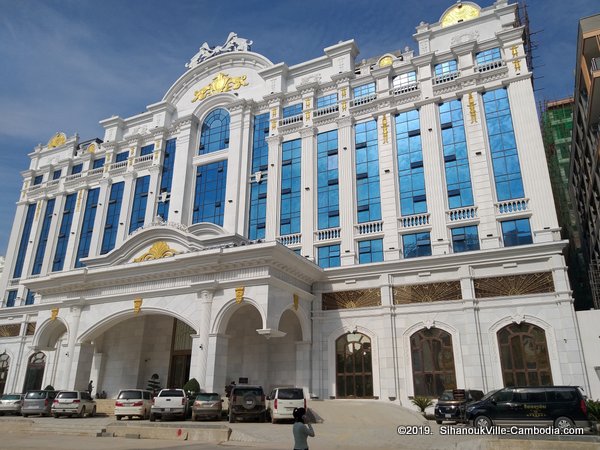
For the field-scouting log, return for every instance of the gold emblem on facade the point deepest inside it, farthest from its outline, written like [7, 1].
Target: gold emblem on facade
[384, 128]
[239, 294]
[472, 111]
[38, 207]
[307, 102]
[343, 92]
[78, 206]
[307, 114]
[221, 83]
[459, 13]
[91, 148]
[57, 140]
[515, 53]
[137, 305]
[158, 250]
[295, 297]
[386, 61]
[53, 313]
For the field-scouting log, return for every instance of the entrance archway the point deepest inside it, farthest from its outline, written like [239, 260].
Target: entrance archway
[35, 371]
[353, 366]
[4, 366]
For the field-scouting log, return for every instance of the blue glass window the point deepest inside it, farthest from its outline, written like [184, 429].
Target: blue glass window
[140, 199]
[516, 232]
[41, 248]
[64, 233]
[456, 160]
[98, 163]
[292, 110]
[56, 174]
[328, 201]
[30, 298]
[215, 132]
[367, 172]
[258, 191]
[76, 169]
[364, 90]
[289, 221]
[38, 180]
[328, 256]
[411, 177]
[465, 239]
[404, 79]
[166, 179]
[327, 100]
[488, 56]
[505, 158]
[445, 68]
[112, 217]
[10, 299]
[417, 244]
[122, 156]
[209, 201]
[147, 150]
[370, 251]
[24, 240]
[87, 227]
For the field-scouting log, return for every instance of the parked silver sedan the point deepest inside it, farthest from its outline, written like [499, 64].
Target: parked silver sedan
[11, 404]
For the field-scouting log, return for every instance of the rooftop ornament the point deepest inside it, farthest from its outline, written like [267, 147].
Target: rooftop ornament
[232, 44]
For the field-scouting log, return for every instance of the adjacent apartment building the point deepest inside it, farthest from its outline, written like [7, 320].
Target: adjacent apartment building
[380, 229]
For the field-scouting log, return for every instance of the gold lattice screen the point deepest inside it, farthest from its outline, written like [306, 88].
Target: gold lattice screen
[425, 293]
[531, 283]
[352, 299]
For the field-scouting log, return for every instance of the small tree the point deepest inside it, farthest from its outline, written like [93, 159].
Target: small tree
[593, 407]
[49, 388]
[154, 383]
[421, 402]
[191, 387]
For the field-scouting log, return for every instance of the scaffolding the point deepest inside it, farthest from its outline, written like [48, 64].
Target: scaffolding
[594, 270]
[522, 20]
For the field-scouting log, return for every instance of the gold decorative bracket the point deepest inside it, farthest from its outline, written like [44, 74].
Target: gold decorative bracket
[472, 111]
[137, 305]
[158, 250]
[295, 297]
[239, 294]
[53, 313]
[385, 129]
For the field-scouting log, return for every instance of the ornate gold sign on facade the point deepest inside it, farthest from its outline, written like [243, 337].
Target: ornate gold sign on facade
[472, 111]
[57, 140]
[158, 250]
[221, 83]
[53, 313]
[459, 13]
[137, 305]
[295, 297]
[384, 128]
[239, 294]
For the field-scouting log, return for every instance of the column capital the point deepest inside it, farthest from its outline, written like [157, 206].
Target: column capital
[308, 132]
[274, 139]
[343, 122]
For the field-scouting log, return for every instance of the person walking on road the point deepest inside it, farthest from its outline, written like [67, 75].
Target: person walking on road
[301, 429]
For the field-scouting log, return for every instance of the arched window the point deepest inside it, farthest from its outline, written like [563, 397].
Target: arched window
[35, 372]
[4, 365]
[524, 355]
[432, 362]
[353, 368]
[215, 132]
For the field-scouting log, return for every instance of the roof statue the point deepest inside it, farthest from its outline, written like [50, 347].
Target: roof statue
[233, 43]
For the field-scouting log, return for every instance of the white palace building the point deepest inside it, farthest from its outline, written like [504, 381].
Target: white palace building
[378, 229]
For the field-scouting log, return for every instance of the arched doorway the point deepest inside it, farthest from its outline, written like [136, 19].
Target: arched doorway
[35, 371]
[432, 362]
[524, 355]
[353, 363]
[4, 365]
[181, 354]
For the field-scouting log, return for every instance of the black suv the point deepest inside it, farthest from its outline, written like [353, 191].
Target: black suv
[247, 401]
[452, 403]
[558, 406]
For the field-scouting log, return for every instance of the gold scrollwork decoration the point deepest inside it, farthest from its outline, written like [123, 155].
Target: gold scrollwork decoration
[472, 111]
[53, 313]
[137, 305]
[79, 197]
[515, 54]
[386, 61]
[511, 285]
[91, 148]
[351, 299]
[221, 83]
[38, 207]
[427, 292]
[57, 140]
[273, 124]
[344, 92]
[385, 129]
[158, 250]
[307, 115]
[239, 294]
[344, 105]
[295, 298]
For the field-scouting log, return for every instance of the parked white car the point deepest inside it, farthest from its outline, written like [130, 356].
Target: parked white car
[281, 403]
[133, 402]
[73, 403]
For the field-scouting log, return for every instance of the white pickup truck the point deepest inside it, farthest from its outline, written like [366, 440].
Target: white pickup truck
[169, 402]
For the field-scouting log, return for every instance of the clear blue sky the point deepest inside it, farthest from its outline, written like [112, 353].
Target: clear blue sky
[67, 64]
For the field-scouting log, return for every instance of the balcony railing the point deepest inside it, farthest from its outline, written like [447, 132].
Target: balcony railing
[412, 87]
[417, 220]
[94, 173]
[369, 227]
[363, 100]
[73, 177]
[143, 161]
[290, 239]
[512, 206]
[329, 233]
[492, 65]
[459, 214]
[120, 166]
[290, 120]
[327, 110]
[446, 77]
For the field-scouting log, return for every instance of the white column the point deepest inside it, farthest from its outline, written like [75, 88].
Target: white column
[273, 188]
[153, 191]
[72, 349]
[346, 189]
[534, 169]
[303, 358]
[388, 186]
[100, 219]
[217, 362]
[307, 195]
[201, 344]
[435, 183]
[182, 192]
[96, 371]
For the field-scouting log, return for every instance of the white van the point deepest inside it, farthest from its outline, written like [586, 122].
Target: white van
[281, 402]
[133, 402]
